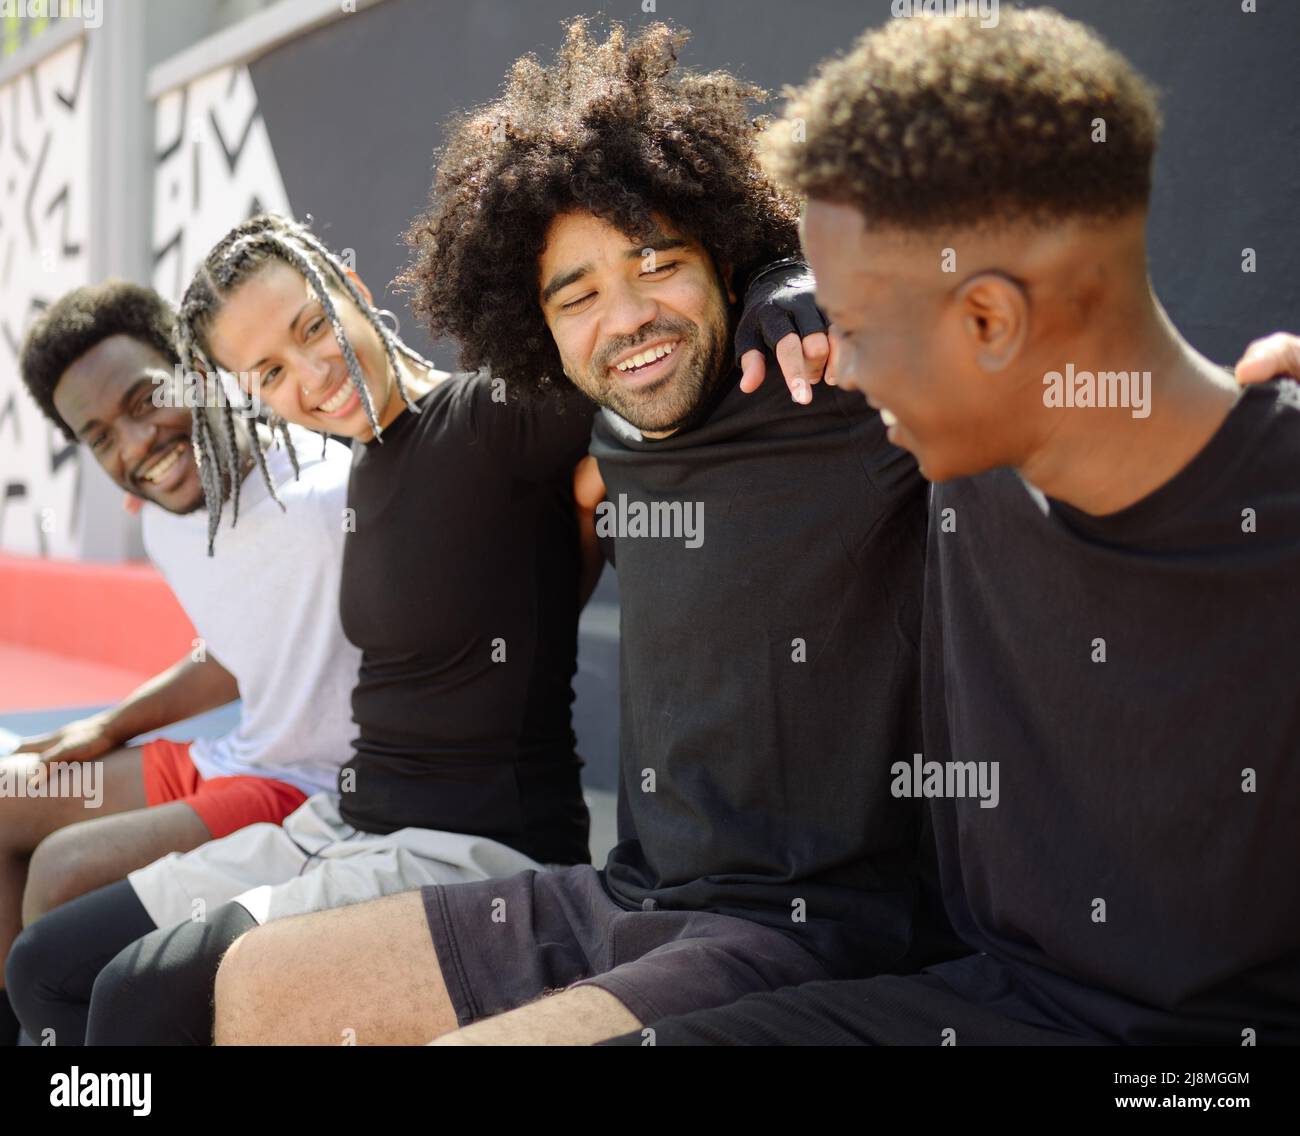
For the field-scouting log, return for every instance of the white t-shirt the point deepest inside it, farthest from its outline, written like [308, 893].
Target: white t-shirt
[266, 605]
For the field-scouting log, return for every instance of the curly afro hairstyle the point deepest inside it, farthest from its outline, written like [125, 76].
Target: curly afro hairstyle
[933, 118]
[615, 129]
[78, 322]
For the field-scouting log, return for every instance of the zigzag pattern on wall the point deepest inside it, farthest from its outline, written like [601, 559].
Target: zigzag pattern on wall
[44, 214]
[214, 168]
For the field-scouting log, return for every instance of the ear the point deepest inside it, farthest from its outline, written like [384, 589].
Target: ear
[995, 318]
[361, 286]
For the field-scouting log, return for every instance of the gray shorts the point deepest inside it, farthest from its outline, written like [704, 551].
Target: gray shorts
[502, 943]
[313, 861]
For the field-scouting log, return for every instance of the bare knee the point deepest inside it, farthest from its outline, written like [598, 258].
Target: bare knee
[24, 820]
[364, 974]
[63, 867]
[271, 988]
[238, 991]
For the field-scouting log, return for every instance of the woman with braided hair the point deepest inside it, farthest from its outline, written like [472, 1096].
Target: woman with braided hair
[266, 242]
[460, 585]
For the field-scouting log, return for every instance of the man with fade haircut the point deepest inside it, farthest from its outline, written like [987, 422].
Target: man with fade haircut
[592, 228]
[1110, 591]
[101, 364]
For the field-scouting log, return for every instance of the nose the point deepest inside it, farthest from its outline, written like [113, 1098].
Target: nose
[138, 439]
[315, 374]
[628, 311]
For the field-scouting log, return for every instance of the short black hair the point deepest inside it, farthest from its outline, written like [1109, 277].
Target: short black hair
[930, 119]
[80, 321]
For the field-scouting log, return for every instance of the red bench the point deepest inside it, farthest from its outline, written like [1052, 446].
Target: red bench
[78, 634]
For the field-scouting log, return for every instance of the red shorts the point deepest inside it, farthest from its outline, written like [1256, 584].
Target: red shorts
[224, 804]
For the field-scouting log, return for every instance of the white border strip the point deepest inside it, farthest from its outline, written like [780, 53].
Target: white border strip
[246, 40]
[56, 37]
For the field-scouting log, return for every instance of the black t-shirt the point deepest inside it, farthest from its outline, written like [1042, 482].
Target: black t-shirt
[770, 675]
[1122, 781]
[460, 587]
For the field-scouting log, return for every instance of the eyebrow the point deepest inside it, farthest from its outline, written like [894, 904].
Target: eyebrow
[658, 241]
[292, 324]
[127, 396]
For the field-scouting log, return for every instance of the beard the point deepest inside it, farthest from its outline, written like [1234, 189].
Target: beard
[674, 400]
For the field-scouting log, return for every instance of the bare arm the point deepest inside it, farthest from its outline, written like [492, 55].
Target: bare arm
[181, 691]
[588, 492]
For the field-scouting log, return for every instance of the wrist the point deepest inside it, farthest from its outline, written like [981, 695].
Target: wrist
[111, 725]
[772, 268]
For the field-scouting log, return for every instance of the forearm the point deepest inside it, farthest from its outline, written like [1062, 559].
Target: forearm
[593, 560]
[588, 492]
[183, 690]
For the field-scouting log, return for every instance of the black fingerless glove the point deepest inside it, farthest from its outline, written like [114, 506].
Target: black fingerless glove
[778, 301]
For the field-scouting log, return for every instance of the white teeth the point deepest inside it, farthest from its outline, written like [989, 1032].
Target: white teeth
[647, 356]
[887, 418]
[156, 472]
[335, 403]
[163, 465]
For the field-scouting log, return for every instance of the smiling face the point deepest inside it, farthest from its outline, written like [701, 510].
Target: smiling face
[641, 327]
[908, 339]
[107, 398]
[273, 333]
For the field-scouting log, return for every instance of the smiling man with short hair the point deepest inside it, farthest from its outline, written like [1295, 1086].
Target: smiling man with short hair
[100, 362]
[1110, 612]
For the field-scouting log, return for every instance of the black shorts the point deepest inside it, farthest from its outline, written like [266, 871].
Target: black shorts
[502, 943]
[979, 1007]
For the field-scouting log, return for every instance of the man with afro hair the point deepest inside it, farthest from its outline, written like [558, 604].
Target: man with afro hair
[593, 228]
